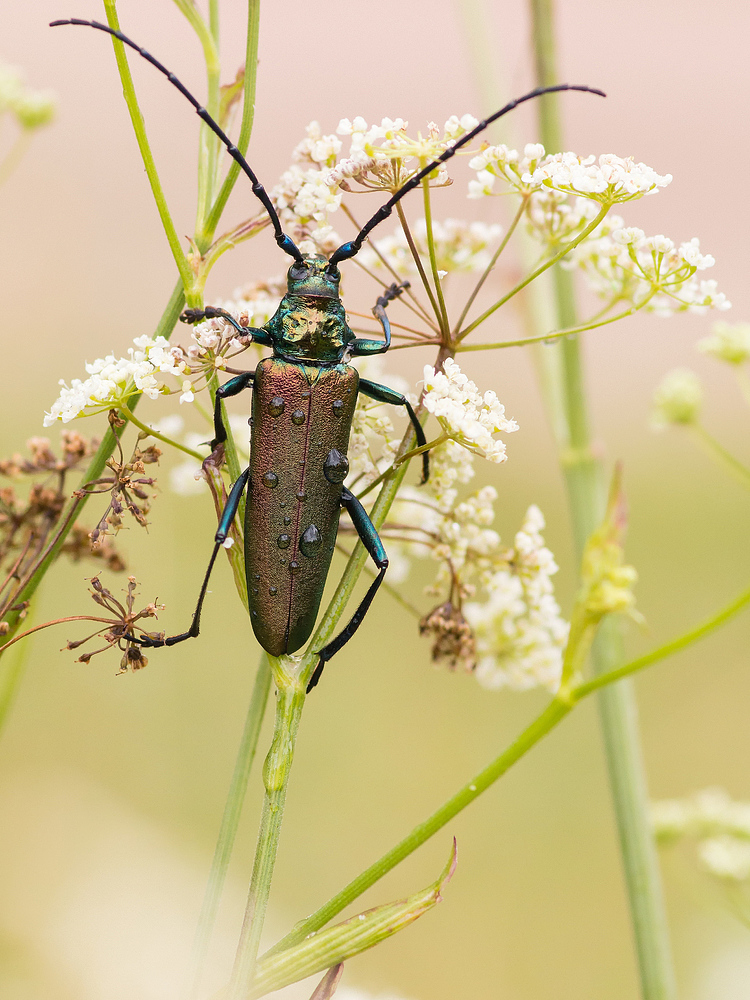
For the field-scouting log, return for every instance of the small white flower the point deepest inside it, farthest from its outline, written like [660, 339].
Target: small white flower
[469, 417]
[726, 857]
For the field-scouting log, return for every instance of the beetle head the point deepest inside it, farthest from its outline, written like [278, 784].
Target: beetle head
[314, 277]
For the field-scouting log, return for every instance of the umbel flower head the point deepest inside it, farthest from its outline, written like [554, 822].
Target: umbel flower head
[677, 399]
[467, 416]
[728, 342]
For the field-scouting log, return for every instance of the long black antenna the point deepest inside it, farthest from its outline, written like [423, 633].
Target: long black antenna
[285, 242]
[353, 247]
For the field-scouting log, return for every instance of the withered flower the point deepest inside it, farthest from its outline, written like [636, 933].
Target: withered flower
[454, 642]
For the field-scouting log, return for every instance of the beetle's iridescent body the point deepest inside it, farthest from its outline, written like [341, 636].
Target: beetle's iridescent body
[301, 420]
[303, 404]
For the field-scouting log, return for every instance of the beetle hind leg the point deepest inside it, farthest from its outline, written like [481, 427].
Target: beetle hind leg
[371, 540]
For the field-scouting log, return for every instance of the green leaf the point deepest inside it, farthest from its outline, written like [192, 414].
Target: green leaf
[333, 945]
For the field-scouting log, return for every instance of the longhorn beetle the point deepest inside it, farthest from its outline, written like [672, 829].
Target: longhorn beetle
[303, 404]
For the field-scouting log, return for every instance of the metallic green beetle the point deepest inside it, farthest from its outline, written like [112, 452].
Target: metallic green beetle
[304, 397]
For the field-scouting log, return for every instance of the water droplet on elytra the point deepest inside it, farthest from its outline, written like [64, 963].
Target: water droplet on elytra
[271, 480]
[287, 519]
[284, 541]
[301, 495]
[338, 407]
[276, 406]
[294, 568]
[335, 467]
[273, 591]
[311, 541]
[298, 417]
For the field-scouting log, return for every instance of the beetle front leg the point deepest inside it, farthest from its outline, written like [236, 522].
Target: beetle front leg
[385, 395]
[230, 388]
[225, 523]
[361, 347]
[370, 538]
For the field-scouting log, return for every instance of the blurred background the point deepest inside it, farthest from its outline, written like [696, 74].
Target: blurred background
[111, 788]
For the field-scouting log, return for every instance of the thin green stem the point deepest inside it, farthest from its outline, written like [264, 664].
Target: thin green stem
[127, 411]
[548, 338]
[550, 717]
[290, 701]
[668, 649]
[145, 149]
[418, 262]
[443, 312]
[208, 146]
[231, 818]
[246, 127]
[585, 485]
[539, 270]
[488, 270]
[12, 669]
[718, 452]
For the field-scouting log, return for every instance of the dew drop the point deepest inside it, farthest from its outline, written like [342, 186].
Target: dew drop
[271, 480]
[311, 541]
[276, 406]
[335, 467]
[301, 495]
[282, 562]
[284, 541]
[256, 576]
[338, 407]
[273, 591]
[305, 394]
[298, 417]
[287, 519]
[294, 567]
[255, 590]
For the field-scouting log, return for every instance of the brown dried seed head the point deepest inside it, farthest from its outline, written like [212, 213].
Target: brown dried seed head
[454, 642]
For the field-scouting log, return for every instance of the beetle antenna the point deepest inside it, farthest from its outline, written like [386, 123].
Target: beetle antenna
[353, 247]
[285, 242]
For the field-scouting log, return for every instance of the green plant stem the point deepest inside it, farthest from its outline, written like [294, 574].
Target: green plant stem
[290, 700]
[548, 338]
[488, 270]
[720, 454]
[208, 156]
[246, 127]
[128, 412]
[231, 818]
[12, 669]
[669, 649]
[584, 476]
[145, 149]
[549, 718]
[427, 201]
[539, 270]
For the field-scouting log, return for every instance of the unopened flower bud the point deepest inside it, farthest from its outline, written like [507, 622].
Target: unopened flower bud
[728, 342]
[678, 398]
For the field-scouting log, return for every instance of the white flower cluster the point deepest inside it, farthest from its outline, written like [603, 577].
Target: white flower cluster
[310, 191]
[728, 342]
[467, 416]
[623, 264]
[459, 246]
[609, 179]
[114, 380]
[554, 219]
[31, 108]
[721, 826]
[505, 164]
[520, 634]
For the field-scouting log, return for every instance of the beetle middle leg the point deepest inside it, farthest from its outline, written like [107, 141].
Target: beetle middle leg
[225, 523]
[385, 395]
[371, 540]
